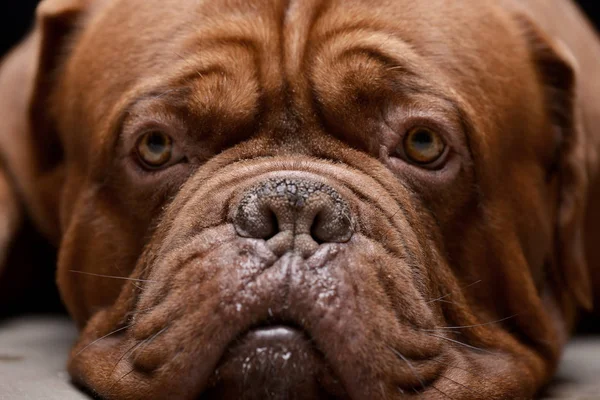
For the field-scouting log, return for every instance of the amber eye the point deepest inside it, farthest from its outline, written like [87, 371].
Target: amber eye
[155, 149]
[423, 146]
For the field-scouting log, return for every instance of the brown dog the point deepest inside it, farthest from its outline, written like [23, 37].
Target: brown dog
[356, 199]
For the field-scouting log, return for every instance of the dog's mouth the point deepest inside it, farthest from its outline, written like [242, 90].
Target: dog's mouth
[277, 361]
[237, 313]
[288, 329]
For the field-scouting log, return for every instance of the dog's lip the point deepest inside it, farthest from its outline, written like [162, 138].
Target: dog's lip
[160, 344]
[279, 359]
[273, 288]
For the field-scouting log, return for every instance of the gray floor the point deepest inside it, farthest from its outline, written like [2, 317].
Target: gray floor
[33, 352]
[32, 359]
[579, 374]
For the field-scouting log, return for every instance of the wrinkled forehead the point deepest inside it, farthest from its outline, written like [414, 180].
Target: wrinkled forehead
[130, 47]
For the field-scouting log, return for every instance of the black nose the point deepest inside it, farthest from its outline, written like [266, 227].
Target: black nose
[296, 214]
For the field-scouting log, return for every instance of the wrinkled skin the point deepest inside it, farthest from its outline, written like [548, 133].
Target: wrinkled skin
[387, 280]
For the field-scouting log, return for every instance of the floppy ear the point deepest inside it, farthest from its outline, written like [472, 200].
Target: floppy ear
[31, 159]
[557, 72]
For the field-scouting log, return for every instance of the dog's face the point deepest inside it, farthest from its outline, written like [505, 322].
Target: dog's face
[354, 199]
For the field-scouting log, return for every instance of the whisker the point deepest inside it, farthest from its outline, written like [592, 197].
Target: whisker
[449, 294]
[457, 367]
[442, 392]
[440, 331]
[460, 343]
[113, 277]
[120, 379]
[122, 273]
[445, 301]
[145, 342]
[473, 284]
[135, 347]
[458, 383]
[396, 213]
[470, 326]
[438, 299]
[382, 388]
[153, 337]
[103, 337]
[132, 348]
[395, 68]
[410, 366]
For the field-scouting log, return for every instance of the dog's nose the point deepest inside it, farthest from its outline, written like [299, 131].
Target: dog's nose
[294, 214]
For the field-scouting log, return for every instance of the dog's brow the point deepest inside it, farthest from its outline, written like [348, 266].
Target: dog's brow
[171, 95]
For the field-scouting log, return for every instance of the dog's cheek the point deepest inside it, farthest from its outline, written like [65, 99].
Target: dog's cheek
[99, 249]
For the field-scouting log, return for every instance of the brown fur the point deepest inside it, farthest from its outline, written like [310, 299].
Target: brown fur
[319, 89]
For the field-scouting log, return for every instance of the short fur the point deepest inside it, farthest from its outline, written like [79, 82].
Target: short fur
[495, 242]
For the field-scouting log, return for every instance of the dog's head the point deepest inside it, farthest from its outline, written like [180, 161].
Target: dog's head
[361, 199]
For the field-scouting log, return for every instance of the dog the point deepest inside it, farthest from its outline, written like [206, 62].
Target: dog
[353, 199]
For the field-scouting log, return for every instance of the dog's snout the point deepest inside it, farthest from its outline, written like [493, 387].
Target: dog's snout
[296, 214]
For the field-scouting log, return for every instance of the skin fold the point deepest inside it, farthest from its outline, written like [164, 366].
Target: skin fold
[289, 249]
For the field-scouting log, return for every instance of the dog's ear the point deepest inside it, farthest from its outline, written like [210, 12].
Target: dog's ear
[31, 158]
[558, 74]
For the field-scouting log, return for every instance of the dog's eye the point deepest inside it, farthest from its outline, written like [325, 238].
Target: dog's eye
[155, 149]
[423, 146]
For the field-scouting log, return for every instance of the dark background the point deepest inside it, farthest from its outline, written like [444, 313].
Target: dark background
[15, 21]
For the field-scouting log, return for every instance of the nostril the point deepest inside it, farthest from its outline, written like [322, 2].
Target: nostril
[316, 230]
[255, 219]
[273, 224]
[296, 207]
[331, 225]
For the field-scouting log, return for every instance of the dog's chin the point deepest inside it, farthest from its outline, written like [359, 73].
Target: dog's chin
[278, 362]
